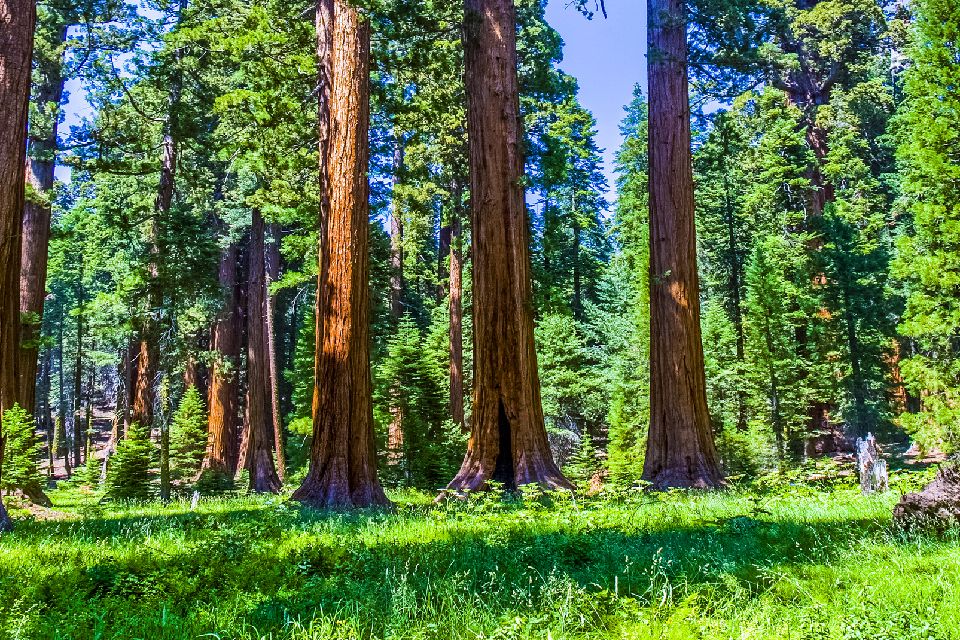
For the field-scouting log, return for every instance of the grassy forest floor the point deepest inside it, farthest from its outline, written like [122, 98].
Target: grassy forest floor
[787, 561]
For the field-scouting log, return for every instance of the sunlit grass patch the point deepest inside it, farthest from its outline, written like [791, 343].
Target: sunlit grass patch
[789, 562]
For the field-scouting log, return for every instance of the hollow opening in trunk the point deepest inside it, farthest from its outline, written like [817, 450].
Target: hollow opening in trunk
[503, 471]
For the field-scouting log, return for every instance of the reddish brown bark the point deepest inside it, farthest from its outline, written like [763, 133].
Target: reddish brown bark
[272, 265]
[143, 369]
[42, 144]
[680, 445]
[508, 441]
[259, 433]
[18, 18]
[456, 318]
[343, 469]
[220, 460]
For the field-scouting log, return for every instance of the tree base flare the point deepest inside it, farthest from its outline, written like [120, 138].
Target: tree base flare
[684, 477]
[937, 507]
[335, 496]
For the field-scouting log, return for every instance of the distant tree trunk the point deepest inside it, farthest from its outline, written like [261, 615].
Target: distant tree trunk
[146, 360]
[272, 265]
[396, 235]
[194, 373]
[16, 44]
[395, 451]
[149, 330]
[807, 92]
[508, 441]
[856, 370]
[343, 467]
[456, 316]
[60, 437]
[124, 400]
[164, 459]
[444, 238]
[143, 366]
[78, 395]
[220, 459]
[42, 145]
[734, 280]
[260, 433]
[45, 411]
[898, 389]
[577, 284]
[88, 409]
[680, 446]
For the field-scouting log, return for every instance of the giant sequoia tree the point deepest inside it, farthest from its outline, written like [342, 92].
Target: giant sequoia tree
[259, 430]
[508, 442]
[343, 466]
[16, 51]
[680, 447]
[220, 461]
[42, 145]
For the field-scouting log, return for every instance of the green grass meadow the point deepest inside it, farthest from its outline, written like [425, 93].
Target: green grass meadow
[788, 562]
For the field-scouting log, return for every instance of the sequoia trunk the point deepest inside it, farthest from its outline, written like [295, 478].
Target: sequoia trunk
[680, 445]
[260, 436]
[508, 441]
[42, 144]
[343, 467]
[456, 320]
[220, 461]
[272, 266]
[16, 44]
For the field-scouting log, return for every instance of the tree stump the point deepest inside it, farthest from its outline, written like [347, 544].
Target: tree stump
[872, 468]
[936, 507]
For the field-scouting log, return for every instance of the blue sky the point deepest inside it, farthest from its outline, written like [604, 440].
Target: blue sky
[607, 59]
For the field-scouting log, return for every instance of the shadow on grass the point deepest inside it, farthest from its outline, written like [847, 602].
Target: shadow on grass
[265, 564]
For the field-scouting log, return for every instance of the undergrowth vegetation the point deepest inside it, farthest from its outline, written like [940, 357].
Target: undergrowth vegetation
[782, 561]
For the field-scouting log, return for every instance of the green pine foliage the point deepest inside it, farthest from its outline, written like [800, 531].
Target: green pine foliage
[131, 471]
[89, 474]
[928, 260]
[188, 436]
[568, 385]
[619, 321]
[411, 394]
[583, 464]
[21, 452]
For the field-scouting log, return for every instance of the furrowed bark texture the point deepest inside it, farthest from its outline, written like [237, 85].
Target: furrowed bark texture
[272, 266]
[456, 322]
[42, 144]
[508, 441]
[17, 20]
[343, 466]
[260, 435]
[680, 446]
[220, 459]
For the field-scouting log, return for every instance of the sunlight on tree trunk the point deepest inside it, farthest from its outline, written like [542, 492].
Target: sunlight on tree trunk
[680, 446]
[508, 442]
